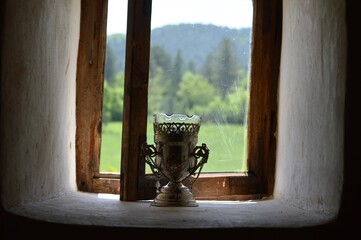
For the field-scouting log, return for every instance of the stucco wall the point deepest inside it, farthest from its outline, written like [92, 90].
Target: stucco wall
[311, 104]
[38, 70]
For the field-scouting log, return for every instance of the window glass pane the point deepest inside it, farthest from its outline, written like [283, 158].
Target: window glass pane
[113, 86]
[199, 64]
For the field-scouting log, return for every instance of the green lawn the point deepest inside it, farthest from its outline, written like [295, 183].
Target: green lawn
[225, 143]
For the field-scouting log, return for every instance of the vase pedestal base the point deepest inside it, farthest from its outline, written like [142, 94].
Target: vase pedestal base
[174, 195]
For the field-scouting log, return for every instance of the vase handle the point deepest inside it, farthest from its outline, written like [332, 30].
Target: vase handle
[150, 152]
[199, 152]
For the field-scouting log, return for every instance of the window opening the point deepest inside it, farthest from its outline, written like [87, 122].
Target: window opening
[199, 64]
[132, 183]
[113, 92]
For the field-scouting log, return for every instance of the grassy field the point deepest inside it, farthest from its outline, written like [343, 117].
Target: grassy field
[225, 143]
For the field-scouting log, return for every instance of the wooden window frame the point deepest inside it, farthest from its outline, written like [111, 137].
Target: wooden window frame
[132, 183]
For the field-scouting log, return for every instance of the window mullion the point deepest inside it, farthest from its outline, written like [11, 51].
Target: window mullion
[135, 96]
[89, 85]
[266, 48]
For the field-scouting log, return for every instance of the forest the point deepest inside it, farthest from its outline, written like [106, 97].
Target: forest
[193, 69]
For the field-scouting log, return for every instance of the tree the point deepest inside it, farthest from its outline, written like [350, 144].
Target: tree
[208, 69]
[113, 99]
[194, 92]
[107, 105]
[110, 66]
[175, 78]
[156, 92]
[221, 67]
[159, 58]
[232, 109]
[227, 66]
[191, 67]
[236, 105]
[117, 43]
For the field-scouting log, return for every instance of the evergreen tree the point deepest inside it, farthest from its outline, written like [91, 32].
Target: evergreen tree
[208, 69]
[175, 78]
[227, 66]
[117, 43]
[110, 66]
[221, 67]
[159, 58]
[191, 67]
[160, 71]
[156, 92]
[178, 69]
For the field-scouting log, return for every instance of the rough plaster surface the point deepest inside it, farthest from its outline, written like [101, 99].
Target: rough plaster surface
[311, 105]
[38, 63]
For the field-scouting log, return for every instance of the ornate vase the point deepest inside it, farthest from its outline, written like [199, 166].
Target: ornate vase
[175, 156]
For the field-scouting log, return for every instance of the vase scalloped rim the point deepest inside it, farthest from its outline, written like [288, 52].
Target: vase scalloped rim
[176, 117]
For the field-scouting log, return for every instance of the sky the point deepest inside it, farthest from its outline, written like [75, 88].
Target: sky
[227, 13]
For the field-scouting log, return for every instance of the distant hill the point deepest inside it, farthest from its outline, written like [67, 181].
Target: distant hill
[195, 41]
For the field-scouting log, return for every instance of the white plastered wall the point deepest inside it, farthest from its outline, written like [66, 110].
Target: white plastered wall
[38, 62]
[311, 104]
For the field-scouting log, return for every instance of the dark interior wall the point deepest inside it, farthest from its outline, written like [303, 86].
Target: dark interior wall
[14, 226]
[351, 197]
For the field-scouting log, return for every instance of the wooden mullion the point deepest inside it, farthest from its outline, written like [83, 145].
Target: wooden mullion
[265, 62]
[135, 95]
[89, 90]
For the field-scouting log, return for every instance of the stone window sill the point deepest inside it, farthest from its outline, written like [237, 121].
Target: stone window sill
[91, 209]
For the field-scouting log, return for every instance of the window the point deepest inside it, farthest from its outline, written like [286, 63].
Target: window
[133, 183]
[199, 64]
